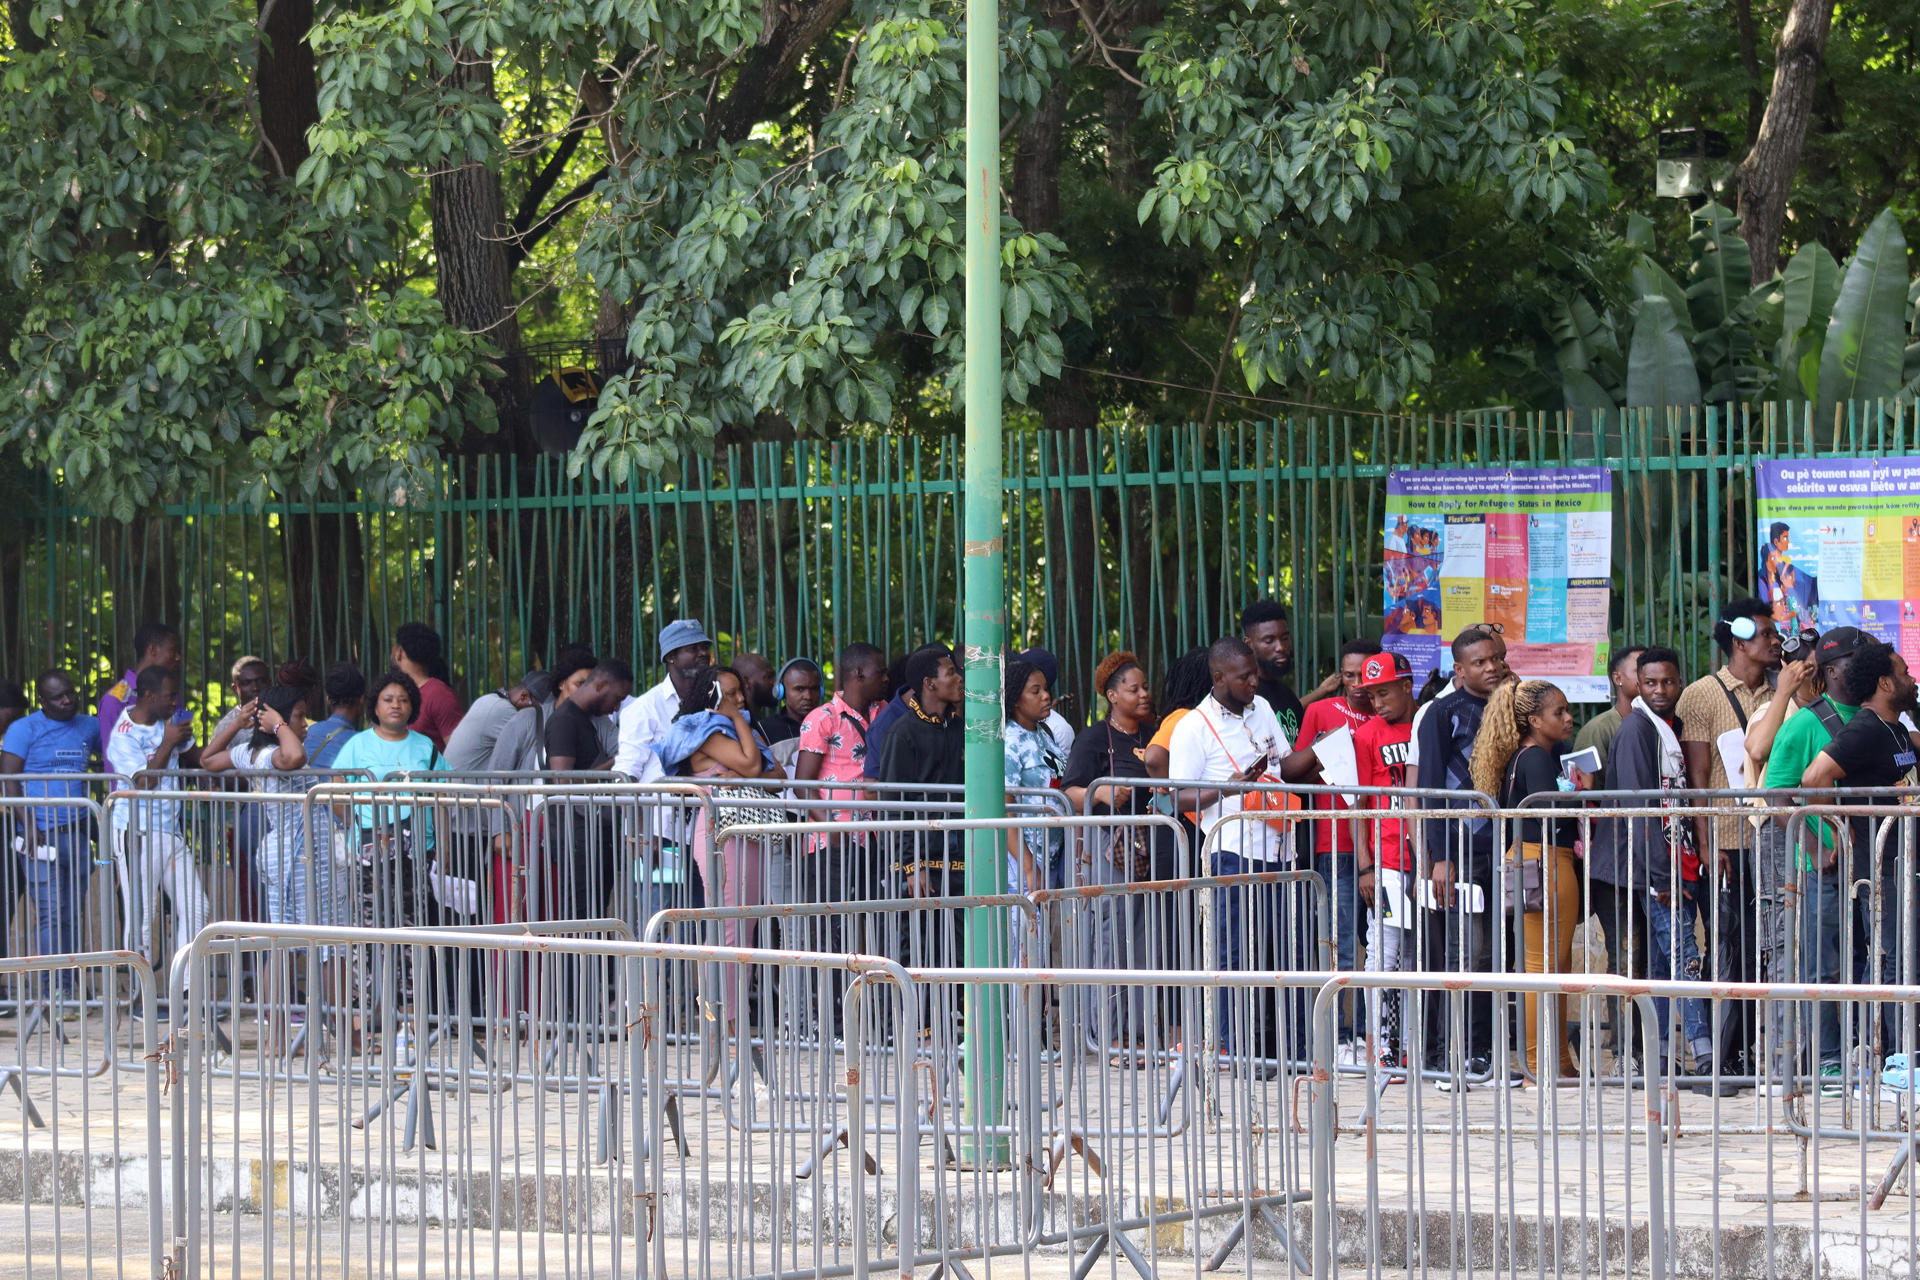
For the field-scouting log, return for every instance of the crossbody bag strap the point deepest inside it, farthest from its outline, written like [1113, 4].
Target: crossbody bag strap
[1739, 712]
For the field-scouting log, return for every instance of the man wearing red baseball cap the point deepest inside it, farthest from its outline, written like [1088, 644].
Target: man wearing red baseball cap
[1385, 864]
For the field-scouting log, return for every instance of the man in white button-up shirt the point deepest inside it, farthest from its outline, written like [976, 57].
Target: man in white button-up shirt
[1233, 737]
[685, 650]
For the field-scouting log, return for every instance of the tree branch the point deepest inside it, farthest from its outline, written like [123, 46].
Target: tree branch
[523, 242]
[769, 67]
[550, 172]
[1106, 54]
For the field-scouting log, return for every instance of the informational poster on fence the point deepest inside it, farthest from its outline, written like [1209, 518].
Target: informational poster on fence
[1529, 553]
[1840, 546]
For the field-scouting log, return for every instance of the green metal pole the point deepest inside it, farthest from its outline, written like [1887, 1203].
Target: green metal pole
[984, 624]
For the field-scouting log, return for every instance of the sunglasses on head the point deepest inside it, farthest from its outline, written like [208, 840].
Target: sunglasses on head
[1802, 642]
[1488, 628]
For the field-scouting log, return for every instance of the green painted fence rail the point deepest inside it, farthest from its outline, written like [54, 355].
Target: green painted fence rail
[1149, 538]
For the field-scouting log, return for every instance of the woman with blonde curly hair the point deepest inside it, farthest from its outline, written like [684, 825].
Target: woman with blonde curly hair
[1517, 754]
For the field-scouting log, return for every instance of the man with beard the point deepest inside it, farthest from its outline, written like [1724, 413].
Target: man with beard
[1268, 631]
[756, 673]
[1716, 707]
[1873, 750]
[685, 650]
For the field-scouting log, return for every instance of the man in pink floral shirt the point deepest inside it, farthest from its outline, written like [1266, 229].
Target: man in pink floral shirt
[833, 739]
[840, 867]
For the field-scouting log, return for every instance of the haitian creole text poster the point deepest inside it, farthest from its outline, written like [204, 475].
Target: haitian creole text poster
[1840, 546]
[1530, 551]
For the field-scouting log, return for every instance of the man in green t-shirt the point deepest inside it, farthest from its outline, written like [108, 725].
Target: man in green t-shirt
[1804, 735]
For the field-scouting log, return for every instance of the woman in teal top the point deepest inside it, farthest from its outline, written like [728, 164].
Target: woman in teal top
[391, 845]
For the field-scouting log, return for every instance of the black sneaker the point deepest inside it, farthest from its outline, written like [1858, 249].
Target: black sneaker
[1473, 1071]
[1716, 1088]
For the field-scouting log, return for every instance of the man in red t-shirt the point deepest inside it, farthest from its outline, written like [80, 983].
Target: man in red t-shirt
[416, 648]
[1384, 863]
[1332, 827]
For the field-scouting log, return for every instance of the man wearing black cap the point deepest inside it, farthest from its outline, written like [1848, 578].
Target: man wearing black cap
[1804, 736]
[1874, 750]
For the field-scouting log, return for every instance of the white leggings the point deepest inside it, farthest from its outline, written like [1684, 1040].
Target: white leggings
[152, 862]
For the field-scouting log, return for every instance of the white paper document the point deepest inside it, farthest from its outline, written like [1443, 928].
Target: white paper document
[1338, 768]
[1733, 755]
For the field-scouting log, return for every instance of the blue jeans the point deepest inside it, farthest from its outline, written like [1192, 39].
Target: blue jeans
[1824, 917]
[1678, 957]
[1339, 871]
[57, 887]
[1265, 928]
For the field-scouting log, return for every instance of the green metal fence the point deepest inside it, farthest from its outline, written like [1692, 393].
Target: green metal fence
[1148, 538]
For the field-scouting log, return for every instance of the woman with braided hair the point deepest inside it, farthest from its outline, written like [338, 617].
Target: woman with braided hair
[1517, 754]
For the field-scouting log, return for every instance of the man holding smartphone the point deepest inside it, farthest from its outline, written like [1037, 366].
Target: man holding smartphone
[1232, 738]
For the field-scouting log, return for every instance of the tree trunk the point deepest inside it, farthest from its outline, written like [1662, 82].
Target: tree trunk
[326, 587]
[326, 564]
[1750, 63]
[1065, 403]
[18, 14]
[1765, 177]
[286, 84]
[475, 273]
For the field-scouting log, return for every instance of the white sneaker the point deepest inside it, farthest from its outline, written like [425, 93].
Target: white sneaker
[1350, 1053]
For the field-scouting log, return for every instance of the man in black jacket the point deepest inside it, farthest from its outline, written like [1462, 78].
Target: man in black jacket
[1459, 851]
[1632, 861]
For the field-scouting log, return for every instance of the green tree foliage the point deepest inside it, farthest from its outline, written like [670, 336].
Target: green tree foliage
[762, 203]
[1818, 332]
[1638, 69]
[176, 312]
[311, 283]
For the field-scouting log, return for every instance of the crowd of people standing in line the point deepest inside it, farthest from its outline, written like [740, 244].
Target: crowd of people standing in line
[1813, 710]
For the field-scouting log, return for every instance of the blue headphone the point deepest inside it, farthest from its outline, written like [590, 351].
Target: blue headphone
[780, 685]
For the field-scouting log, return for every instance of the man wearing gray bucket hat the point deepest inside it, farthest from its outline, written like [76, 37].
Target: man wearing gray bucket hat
[685, 650]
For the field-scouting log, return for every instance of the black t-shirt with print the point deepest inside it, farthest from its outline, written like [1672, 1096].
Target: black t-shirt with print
[1286, 705]
[1873, 753]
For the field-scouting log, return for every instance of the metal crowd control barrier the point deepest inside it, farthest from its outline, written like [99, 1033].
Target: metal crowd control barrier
[514, 1186]
[560, 1142]
[50, 860]
[80, 1182]
[554, 851]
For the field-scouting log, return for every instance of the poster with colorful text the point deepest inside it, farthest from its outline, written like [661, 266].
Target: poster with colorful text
[1529, 553]
[1840, 546]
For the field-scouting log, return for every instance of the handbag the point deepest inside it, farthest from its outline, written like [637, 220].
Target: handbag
[1131, 853]
[1532, 877]
[1131, 848]
[1533, 888]
[728, 816]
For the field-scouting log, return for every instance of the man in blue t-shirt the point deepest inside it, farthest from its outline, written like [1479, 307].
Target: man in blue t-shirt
[55, 844]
